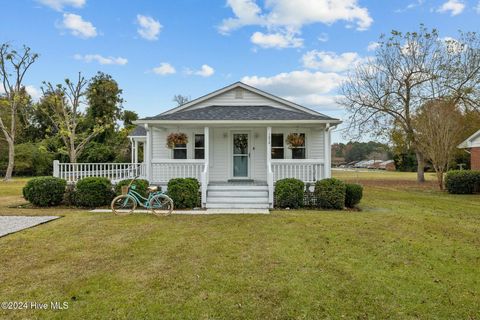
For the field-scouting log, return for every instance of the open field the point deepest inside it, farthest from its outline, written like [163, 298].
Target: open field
[412, 252]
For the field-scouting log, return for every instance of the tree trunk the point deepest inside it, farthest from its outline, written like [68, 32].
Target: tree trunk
[420, 166]
[11, 160]
[440, 179]
[73, 156]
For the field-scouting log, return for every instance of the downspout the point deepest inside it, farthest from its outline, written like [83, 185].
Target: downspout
[328, 150]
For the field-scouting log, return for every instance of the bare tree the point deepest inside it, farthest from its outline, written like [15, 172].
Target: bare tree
[407, 71]
[438, 130]
[13, 67]
[63, 107]
[180, 99]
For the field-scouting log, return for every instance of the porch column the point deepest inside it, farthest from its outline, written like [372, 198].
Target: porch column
[327, 160]
[269, 167]
[205, 173]
[148, 155]
[132, 157]
[136, 152]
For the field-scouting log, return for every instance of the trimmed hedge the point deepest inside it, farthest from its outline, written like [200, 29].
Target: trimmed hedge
[141, 186]
[44, 191]
[353, 194]
[184, 192]
[93, 192]
[462, 181]
[289, 193]
[330, 193]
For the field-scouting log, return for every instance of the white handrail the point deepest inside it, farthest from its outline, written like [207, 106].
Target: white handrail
[307, 170]
[165, 170]
[72, 172]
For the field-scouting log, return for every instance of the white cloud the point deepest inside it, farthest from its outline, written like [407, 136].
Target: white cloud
[276, 40]
[316, 100]
[293, 15]
[205, 71]
[101, 59]
[323, 37]
[33, 92]
[455, 7]
[164, 69]
[246, 12]
[303, 87]
[296, 83]
[372, 46]
[411, 5]
[477, 8]
[149, 28]
[78, 27]
[330, 61]
[60, 4]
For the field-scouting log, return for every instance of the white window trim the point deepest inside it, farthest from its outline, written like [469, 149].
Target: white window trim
[200, 148]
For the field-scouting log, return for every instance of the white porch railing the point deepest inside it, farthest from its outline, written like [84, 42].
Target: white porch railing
[307, 170]
[72, 172]
[165, 169]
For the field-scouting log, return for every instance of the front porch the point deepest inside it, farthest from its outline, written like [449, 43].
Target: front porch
[235, 159]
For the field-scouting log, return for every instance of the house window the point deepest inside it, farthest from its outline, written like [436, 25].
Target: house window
[277, 146]
[199, 146]
[299, 152]
[180, 151]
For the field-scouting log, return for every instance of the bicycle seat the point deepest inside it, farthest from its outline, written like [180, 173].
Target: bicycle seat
[152, 189]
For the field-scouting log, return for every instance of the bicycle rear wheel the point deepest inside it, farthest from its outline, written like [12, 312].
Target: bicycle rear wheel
[161, 205]
[123, 205]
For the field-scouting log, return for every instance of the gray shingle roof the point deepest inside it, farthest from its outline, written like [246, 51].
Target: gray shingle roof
[239, 113]
[139, 131]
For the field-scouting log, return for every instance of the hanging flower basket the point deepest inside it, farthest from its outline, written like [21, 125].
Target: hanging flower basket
[176, 138]
[295, 140]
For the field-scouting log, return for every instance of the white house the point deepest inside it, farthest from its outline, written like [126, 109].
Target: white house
[237, 146]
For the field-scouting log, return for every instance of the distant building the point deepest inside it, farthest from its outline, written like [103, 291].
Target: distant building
[472, 145]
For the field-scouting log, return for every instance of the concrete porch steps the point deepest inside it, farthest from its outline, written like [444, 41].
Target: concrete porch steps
[237, 196]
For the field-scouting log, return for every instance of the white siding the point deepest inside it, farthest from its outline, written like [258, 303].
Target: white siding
[219, 155]
[159, 143]
[249, 98]
[259, 154]
[316, 144]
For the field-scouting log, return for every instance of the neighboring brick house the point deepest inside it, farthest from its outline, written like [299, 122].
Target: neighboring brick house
[472, 144]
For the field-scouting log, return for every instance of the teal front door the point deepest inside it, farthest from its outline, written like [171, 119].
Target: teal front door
[240, 155]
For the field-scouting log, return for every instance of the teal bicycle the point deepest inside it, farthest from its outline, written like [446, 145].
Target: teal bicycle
[159, 203]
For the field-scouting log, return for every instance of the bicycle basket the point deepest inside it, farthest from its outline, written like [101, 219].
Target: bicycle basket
[124, 190]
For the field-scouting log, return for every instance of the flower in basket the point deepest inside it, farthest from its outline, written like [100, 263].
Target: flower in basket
[295, 140]
[176, 138]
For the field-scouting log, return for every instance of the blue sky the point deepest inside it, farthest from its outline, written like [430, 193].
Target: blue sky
[299, 49]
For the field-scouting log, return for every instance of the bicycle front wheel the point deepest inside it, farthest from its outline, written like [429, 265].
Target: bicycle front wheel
[123, 205]
[161, 205]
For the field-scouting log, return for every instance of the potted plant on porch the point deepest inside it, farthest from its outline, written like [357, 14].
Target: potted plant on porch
[176, 138]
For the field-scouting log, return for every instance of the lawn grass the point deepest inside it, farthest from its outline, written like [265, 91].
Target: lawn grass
[412, 252]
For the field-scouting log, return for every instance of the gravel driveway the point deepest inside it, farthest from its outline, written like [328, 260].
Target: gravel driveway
[10, 224]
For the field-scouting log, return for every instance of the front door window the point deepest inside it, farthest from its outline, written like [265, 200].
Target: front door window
[240, 155]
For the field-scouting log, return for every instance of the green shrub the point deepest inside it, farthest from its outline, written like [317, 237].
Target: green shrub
[141, 186]
[289, 193]
[93, 192]
[330, 193]
[462, 181]
[44, 191]
[353, 194]
[184, 192]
